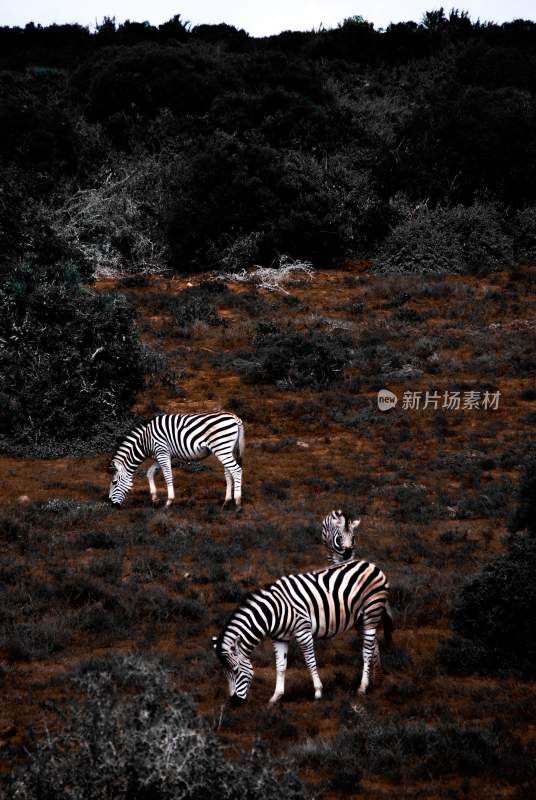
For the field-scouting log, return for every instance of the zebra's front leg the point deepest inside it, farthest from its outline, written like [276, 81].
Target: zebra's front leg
[151, 472]
[306, 643]
[280, 649]
[369, 657]
[164, 461]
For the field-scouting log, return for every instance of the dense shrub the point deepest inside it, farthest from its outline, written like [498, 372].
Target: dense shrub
[238, 201]
[524, 232]
[495, 617]
[115, 224]
[399, 749]
[69, 361]
[149, 743]
[195, 304]
[464, 239]
[293, 359]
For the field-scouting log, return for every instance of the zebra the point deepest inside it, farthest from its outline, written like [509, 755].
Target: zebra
[188, 437]
[308, 606]
[338, 535]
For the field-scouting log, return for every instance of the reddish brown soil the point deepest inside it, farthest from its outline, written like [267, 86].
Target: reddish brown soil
[468, 324]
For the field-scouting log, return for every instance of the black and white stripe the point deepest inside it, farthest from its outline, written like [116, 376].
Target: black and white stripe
[312, 605]
[338, 536]
[186, 437]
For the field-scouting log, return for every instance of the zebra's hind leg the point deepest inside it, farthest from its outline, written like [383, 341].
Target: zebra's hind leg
[280, 649]
[377, 669]
[369, 649]
[151, 472]
[236, 474]
[306, 643]
[235, 471]
[228, 488]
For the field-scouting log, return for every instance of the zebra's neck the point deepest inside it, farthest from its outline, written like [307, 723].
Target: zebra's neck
[134, 449]
[251, 622]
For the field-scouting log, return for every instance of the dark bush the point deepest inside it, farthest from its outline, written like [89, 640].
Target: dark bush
[524, 516]
[195, 304]
[293, 359]
[100, 540]
[494, 618]
[464, 239]
[399, 749]
[524, 231]
[273, 201]
[72, 359]
[28, 640]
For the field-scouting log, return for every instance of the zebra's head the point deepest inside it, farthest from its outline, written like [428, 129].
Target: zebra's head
[236, 665]
[338, 534]
[120, 484]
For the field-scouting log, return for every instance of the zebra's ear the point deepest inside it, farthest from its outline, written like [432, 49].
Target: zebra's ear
[111, 467]
[355, 523]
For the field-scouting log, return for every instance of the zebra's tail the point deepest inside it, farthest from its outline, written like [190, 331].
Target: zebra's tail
[241, 444]
[387, 621]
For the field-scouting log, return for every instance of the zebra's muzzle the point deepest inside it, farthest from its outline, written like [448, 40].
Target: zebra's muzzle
[347, 553]
[237, 701]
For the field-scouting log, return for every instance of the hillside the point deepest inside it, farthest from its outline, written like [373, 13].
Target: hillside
[434, 487]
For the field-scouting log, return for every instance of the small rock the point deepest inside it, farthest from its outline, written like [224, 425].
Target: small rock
[23, 500]
[302, 444]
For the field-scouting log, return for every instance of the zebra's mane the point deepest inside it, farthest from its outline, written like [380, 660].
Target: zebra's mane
[133, 432]
[246, 601]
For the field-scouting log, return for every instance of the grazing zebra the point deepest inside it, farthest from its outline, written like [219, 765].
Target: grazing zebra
[338, 536]
[312, 605]
[187, 437]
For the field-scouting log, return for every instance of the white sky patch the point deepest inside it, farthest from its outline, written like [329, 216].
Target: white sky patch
[259, 19]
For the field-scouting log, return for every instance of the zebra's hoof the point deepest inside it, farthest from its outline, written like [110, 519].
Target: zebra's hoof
[225, 505]
[238, 510]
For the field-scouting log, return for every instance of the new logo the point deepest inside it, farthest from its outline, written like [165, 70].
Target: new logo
[386, 400]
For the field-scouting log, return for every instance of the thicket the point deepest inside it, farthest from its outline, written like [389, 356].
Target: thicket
[143, 148]
[463, 239]
[494, 619]
[400, 749]
[293, 359]
[70, 359]
[132, 735]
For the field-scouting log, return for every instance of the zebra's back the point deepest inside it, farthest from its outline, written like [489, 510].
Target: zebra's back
[333, 598]
[190, 437]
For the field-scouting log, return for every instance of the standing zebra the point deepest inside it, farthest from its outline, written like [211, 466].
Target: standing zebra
[338, 535]
[312, 605]
[187, 437]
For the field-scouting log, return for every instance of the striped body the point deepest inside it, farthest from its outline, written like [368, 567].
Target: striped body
[186, 437]
[308, 606]
[338, 536]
